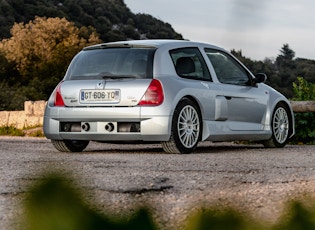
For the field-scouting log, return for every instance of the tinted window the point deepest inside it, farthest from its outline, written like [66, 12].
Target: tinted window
[189, 63]
[227, 69]
[112, 63]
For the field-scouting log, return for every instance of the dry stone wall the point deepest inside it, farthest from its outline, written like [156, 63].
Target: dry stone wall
[32, 115]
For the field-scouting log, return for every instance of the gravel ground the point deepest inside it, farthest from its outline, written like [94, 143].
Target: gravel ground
[116, 178]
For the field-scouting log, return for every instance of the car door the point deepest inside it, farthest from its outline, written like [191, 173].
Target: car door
[246, 103]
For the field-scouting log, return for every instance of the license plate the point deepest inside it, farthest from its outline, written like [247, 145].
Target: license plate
[99, 96]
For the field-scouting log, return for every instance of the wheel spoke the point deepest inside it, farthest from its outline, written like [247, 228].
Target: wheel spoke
[281, 125]
[188, 126]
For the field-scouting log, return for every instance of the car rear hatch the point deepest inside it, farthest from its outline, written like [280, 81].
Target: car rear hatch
[122, 92]
[108, 76]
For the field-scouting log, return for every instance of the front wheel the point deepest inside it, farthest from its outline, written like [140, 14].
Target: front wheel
[186, 128]
[69, 145]
[280, 125]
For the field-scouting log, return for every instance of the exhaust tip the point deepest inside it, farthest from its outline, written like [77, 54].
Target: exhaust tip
[85, 127]
[109, 127]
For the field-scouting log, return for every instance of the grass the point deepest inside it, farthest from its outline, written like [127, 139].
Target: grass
[34, 131]
[11, 131]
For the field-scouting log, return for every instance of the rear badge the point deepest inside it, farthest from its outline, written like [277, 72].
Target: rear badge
[100, 85]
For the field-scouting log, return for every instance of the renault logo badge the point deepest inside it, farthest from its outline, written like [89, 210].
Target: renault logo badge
[100, 85]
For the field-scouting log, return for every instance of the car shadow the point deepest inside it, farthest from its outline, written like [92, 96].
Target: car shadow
[204, 147]
[226, 147]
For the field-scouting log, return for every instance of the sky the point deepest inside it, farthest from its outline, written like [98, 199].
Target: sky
[258, 28]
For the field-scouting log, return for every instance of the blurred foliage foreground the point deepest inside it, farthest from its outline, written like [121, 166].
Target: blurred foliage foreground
[55, 204]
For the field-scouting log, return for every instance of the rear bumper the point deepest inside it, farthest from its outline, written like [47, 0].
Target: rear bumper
[149, 127]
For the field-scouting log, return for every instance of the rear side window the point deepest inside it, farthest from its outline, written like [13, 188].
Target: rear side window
[112, 63]
[189, 63]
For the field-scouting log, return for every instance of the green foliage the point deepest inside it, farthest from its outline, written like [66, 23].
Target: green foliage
[304, 128]
[38, 39]
[104, 15]
[35, 58]
[303, 90]
[11, 131]
[304, 122]
[218, 219]
[154, 28]
[35, 131]
[286, 53]
[11, 97]
[298, 217]
[282, 71]
[54, 203]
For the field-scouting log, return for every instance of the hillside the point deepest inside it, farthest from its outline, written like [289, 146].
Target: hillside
[112, 19]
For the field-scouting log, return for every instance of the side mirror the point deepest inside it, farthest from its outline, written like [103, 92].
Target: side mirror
[260, 78]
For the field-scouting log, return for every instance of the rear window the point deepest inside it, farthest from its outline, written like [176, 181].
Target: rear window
[112, 63]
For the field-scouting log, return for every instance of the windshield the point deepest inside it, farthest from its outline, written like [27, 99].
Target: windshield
[112, 63]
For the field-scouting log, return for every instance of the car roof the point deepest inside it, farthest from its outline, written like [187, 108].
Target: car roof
[154, 43]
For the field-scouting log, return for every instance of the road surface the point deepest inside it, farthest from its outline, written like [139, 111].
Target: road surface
[115, 177]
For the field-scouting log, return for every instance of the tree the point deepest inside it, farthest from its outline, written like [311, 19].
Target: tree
[42, 50]
[285, 58]
[154, 28]
[43, 42]
[101, 14]
[286, 53]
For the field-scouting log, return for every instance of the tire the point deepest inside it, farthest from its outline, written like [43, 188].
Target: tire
[186, 128]
[280, 125]
[69, 145]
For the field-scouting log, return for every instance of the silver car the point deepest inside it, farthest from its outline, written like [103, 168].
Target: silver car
[174, 92]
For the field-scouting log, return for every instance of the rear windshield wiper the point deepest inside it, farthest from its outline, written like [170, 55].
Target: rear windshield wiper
[105, 76]
[111, 76]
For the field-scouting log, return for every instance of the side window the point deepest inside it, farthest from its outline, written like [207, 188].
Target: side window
[189, 63]
[228, 70]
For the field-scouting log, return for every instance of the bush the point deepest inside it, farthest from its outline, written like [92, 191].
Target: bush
[304, 122]
[37, 55]
[54, 203]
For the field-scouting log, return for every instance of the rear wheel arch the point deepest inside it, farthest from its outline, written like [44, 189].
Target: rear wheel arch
[195, 101]
[291, 118]
[281, 124]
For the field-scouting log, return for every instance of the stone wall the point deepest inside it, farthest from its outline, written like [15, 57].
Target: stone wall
[31, 116]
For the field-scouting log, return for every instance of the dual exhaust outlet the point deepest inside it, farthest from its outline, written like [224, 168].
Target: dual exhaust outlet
[120, 127]
[109, 127]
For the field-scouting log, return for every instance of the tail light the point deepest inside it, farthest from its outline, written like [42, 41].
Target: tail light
[154, 95]
[58, 98]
